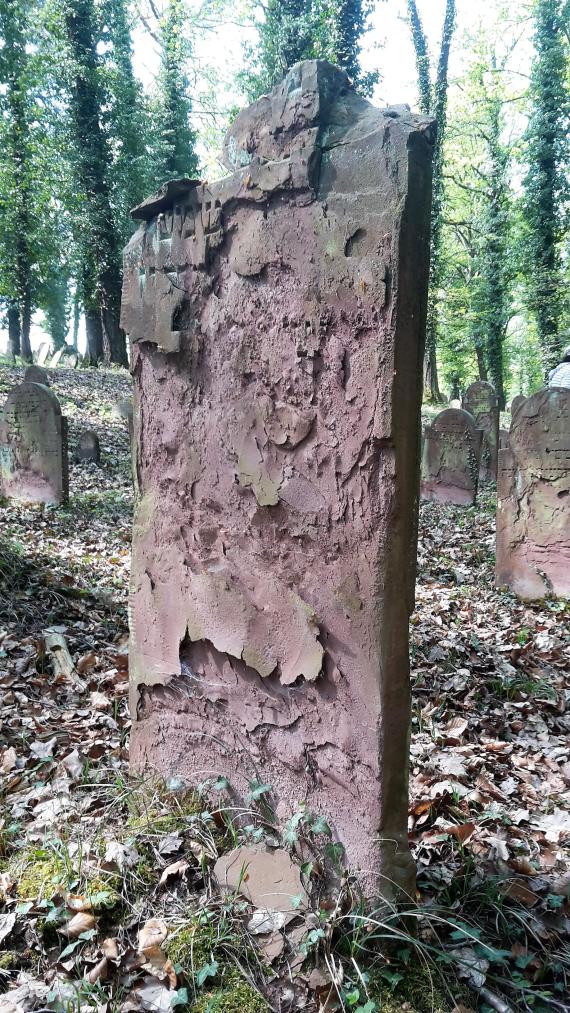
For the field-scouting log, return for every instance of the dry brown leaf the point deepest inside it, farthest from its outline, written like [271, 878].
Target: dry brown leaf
[77, 902]
[176, 869]
[81, 922]
[153, 933]
[519, 891]
[99, 972]
[86, 662]
[9, 758]
[462, 832]
[110, 948]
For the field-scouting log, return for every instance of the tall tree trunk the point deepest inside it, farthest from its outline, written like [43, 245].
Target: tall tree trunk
[26, 325]
[94, 335]
[481, 364]
[76, 316]
[14, 330]
[433, 100]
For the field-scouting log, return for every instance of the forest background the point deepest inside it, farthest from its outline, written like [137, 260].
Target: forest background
[102, 101]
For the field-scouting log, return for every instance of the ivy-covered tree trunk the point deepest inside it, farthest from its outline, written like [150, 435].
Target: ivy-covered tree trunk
[433, 100]
[101, 246]
[294, 30]
[14, 329]
[495, 297]
[176, 156]
[547, 183]
[16, 222]
[94, 336]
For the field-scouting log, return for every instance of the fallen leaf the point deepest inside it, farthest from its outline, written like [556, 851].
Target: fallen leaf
[176, 869]
[153, 933]
[7, 922]
[81, 922]
[9, 758]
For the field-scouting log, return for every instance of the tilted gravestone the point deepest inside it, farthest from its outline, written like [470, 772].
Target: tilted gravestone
[276, 320]
[88, 448]
[480, 400]
[33, 446]
[450, 458]
[43, 353]
[533, 499]
[36, 374]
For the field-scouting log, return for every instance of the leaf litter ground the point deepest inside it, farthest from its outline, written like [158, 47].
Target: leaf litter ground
[108, 898]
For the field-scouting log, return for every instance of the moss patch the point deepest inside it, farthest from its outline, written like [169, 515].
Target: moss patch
[235, 996]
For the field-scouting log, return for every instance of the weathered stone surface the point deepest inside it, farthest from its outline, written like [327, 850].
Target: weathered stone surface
[480, 400]
[450, 458]
[88, 448]
[33, 446]
[503, 439]
[276, 320]
[269, 879]
[533, 499]
[36, 374]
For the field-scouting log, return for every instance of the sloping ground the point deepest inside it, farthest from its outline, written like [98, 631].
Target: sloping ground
[107, 894]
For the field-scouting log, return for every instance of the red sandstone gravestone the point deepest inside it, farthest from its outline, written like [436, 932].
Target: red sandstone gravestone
[450, 458]
[533, 499]
[276, 320]
[480, 400]
[33, 446]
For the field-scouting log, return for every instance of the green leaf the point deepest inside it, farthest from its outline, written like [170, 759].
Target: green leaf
[369, 1007]
[320, 826]
[207, 971]
[257, 791]
[180, 998]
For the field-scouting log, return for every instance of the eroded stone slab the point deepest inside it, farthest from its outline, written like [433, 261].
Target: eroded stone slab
[36, 374]
[480, 400]
[533, 499]
[276, 320]
[451, 457]
[88, 447]
[33, 446]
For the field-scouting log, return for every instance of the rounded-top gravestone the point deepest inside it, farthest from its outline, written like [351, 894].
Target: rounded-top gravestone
[533, 499]
[88, 447]
[480, 400]
[36, 374]
[450, 458]
[33, 446]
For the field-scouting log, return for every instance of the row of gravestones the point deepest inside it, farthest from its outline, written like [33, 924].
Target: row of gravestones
[34, 444]
[531, 463]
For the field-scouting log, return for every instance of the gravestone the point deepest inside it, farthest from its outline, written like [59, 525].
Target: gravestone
[450, 458]
[455, 403]
[503, 439]
[88, 448]
[33, 446]
[36, 374]
[480, 400]
[276, 319]
[516, 402]
[533, 499]
[43, 353]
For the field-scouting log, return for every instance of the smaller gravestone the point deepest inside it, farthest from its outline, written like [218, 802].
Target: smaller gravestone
[33, 446]
[88, 448]
[480, 400]
[43, 353]
[503, 439]
[516, 403]
[450, 458]
[455, 403]
[36, 374]
[533, 499]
